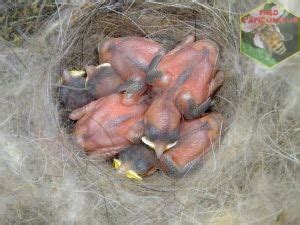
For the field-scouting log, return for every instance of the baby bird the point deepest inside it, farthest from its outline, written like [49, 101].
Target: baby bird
[197, 137]
[106, 126]
[186, 76]
[136, 162]
[72, 91]
[161, 122]
[102, 80]
[189, 70]
[131, 57]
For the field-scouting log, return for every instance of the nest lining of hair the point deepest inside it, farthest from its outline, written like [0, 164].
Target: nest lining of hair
[249, 177]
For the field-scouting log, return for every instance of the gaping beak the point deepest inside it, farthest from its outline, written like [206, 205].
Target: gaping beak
[159, 148]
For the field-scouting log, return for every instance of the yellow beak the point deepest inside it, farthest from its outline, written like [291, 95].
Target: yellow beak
[131, 174]
[77, 73]
[116, 163]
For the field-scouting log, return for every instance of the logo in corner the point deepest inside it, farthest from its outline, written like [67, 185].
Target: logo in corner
[269, 34]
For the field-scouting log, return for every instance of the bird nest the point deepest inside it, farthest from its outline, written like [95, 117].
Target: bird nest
[251, 177]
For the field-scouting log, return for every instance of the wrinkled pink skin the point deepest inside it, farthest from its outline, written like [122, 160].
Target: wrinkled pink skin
[130, 57]
[106, 126]
[162, 121]
[196, 139]
[189, 71]
[187, 78]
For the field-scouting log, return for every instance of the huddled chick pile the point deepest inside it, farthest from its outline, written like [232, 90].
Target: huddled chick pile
[142, 98]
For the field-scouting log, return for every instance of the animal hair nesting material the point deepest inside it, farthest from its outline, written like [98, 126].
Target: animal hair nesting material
[251, 176]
